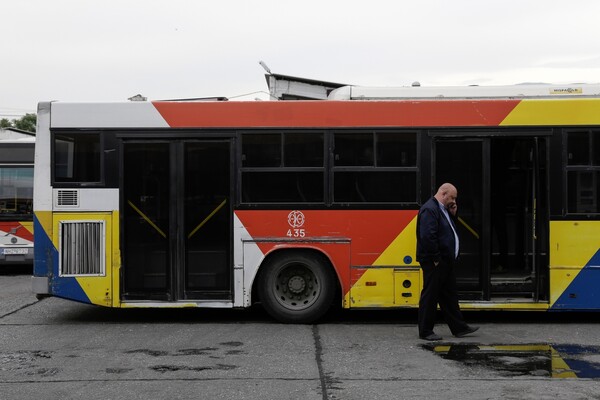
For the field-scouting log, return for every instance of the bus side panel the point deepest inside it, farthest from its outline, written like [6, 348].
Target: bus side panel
[382, 248]
[65, 287]
[252, 253]
[84, 286]
[46, 279]
[582, 293]
[575, 265]
[394, 279]
[46, 263]
[44, 250]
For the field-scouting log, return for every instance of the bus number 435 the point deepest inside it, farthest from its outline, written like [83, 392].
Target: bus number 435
[296, 233]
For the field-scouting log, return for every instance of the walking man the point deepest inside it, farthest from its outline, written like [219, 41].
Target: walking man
[437, 252]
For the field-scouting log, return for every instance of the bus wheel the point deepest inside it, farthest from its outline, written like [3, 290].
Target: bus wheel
[297, 287]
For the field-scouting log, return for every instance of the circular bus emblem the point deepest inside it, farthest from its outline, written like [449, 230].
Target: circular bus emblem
[296, 219]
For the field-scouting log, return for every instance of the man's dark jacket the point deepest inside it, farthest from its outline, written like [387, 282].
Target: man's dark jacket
[435, 238]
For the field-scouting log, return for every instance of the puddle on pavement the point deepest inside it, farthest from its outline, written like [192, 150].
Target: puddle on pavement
[543, 360]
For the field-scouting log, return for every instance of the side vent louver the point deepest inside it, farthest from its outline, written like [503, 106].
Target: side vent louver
[81, 248]
[67, 198]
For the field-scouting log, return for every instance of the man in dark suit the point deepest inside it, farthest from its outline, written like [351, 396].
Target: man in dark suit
[437, 252]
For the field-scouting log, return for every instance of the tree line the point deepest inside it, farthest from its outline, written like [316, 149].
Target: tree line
[25, 123]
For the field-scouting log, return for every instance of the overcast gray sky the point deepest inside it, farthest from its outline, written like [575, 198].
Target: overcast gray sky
[80, 50]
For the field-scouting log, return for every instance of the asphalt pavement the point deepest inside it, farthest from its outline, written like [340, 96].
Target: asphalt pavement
[58, 349]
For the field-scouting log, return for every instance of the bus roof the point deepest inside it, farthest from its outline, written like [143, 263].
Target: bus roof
[465, 92]
[328, 114]
[352, 106]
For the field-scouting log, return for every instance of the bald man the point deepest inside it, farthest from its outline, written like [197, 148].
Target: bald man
[437, 251]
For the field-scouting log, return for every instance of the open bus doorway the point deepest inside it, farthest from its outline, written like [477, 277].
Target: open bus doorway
[177, 227]
[503, 214]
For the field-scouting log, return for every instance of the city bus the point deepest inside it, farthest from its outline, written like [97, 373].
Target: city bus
[305, 205]
[16, 197]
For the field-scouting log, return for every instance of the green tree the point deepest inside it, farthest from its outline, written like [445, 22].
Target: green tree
[25, 123]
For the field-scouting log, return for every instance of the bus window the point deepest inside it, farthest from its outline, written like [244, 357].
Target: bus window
[397, 150]
[303, 150]
[16, 190]
[283, 187]
[283, 167]
[578, 148]
[583, 191]
[375, 187]
[261, 150]
[354, 149]
[77, 158]
[375, 167]
[583, 171]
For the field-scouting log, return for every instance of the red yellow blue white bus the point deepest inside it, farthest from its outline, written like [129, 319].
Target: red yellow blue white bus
[16, 197]
[300, 205]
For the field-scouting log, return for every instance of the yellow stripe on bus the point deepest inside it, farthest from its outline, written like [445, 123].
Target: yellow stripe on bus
[549, 112]
[405, 244]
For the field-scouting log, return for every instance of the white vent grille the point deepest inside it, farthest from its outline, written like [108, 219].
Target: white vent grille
[81, 248]
[67, 198]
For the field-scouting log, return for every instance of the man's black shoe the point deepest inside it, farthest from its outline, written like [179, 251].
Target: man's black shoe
[468, 331]
[431, 337]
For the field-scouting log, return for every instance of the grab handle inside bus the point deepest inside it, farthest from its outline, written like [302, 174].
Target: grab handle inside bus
[148, 220]
[207, 218]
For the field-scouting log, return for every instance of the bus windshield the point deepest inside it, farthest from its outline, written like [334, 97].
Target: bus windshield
[16, 191]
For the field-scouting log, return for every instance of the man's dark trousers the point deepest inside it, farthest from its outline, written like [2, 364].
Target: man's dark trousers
[439, 287]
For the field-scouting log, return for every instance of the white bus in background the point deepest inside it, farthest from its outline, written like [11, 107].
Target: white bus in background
[16, 196]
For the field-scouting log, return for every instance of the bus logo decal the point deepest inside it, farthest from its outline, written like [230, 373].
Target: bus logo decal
[296, 219]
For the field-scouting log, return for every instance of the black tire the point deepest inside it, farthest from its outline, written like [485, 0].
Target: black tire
[297, 287]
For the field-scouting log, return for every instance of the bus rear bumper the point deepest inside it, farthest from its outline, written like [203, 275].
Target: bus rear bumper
[39, 285]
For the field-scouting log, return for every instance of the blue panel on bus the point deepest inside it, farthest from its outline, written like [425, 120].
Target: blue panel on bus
[583, 293]
[41, 253]
[46, 264]
[68, 288]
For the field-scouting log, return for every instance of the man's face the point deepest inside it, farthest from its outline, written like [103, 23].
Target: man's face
[450, 198]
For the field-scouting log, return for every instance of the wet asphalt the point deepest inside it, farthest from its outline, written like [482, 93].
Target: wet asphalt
[67, 350]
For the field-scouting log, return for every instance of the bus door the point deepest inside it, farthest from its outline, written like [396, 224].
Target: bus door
[503, 214]
[460, 162]
[176, 202]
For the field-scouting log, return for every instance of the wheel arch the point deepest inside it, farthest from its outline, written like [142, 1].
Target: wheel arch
[281, 251]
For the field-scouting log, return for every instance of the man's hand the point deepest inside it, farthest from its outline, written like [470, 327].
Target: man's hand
[452, 207]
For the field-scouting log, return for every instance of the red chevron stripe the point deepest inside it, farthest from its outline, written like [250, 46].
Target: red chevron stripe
[426, 113]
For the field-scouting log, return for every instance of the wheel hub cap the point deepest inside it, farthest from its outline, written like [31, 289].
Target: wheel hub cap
[296, 284]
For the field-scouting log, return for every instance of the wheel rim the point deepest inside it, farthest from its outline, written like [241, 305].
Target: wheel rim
[296, 286]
